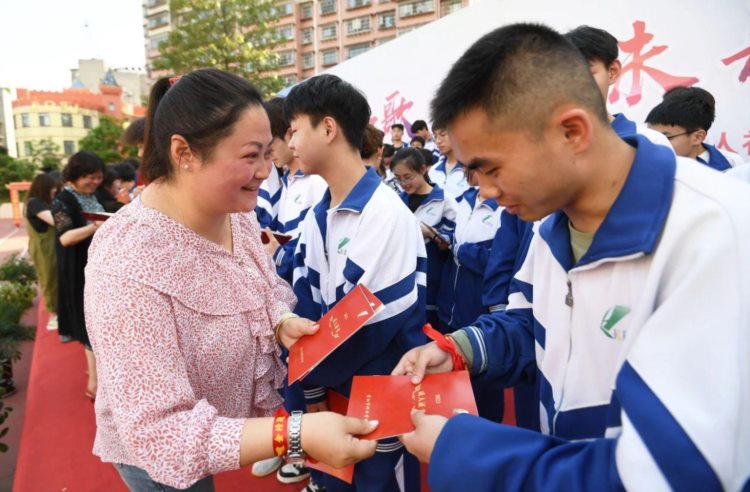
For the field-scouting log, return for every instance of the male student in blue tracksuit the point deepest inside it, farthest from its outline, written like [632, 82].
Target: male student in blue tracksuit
[336, 252]
[684, 116]
[614, 300]
[269, 193]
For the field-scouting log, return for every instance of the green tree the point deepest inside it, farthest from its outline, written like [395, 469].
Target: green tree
[45, 153]
[104, 140]
[233, 35]
[12, 170]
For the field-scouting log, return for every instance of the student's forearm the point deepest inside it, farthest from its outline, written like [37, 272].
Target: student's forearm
[75, 236]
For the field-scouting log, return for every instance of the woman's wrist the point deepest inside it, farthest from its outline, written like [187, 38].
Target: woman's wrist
[280, 325]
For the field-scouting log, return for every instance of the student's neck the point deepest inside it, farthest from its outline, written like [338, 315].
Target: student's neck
[697, 150]
[396, 143]
[450, 161]
[425, 189]
[610, 160]
[293, 167]
[342, 174]
[180, 205]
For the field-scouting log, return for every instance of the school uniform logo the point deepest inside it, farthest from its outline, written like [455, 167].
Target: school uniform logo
[487, 219]
[298, 199]
[429, 210]
[342, 244]
[610, 321]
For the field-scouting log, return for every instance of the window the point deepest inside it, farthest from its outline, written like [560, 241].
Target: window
[327, 7]
[286, 58]
[25, 120]
[111, 107]
[447, 7]
[307, 35]
[416, 8]
[382, 41]
[44, 119]
[306, 11]
[308, 59]
[69, 147]
[157, 40]
[330, 57]
[358, 25]
[355, 4]
[286, 33]
[67, 119]
[27, 148]
[155, 3]
[289, 79]
[87, 123]
[328, 32]
[286, 8]
[387, 20]
[357, 49]
[158, 20]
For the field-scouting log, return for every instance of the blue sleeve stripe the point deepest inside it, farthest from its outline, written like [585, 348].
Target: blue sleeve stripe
[352, 272]
[524, 288]
[476, 338]
[546, 398]
[662, 435]
[397, 290]
[422, 264]
[293, 224]
[275, 198]
[582, 423]
[540, 333]
[264, 194]
[313, 277]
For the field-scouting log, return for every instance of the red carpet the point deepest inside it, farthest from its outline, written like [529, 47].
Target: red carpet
[59, 428]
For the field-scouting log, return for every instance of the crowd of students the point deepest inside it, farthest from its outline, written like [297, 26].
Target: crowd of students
[594, 264]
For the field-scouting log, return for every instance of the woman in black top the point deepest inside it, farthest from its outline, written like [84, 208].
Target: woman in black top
[40, 227]
[83, 174]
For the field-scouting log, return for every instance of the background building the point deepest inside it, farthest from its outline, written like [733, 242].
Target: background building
[322, 33]
[91, 72]
[7, 129]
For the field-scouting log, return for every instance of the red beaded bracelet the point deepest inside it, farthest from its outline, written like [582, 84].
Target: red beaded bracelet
[280, 433]
[446, 344]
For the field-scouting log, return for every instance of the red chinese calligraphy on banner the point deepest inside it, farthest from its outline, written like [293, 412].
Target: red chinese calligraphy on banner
[724, 143]
[745, 72]
[637, 65]
[746, 145]
[394, 111]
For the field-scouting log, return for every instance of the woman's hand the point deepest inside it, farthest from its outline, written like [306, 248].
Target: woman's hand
[75, 236]
[421, 441]
[331, 438]
[123, 196]
[293, 329]
[272, 245]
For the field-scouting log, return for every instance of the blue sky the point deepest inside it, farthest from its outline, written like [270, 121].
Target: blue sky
[41, 40]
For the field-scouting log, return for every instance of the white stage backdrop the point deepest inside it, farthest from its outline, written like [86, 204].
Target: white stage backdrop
[662, 44]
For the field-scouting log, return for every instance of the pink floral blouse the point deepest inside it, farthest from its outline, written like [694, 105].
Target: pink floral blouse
[183, 336]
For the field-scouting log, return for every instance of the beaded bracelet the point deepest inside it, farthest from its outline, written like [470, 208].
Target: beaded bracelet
[280, 432]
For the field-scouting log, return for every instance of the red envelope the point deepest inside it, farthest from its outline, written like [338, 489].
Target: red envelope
[336, 403]
[281, 238]
[350, 314]
[390, 400]
[97, 216]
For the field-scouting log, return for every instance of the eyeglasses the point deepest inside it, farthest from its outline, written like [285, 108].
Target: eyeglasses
[670, 137]
[404, 180]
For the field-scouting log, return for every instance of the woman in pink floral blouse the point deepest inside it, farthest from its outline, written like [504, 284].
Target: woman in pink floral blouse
[184, 307]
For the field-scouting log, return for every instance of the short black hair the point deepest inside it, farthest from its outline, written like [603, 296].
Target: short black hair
[329, 95]
[594, 44]
[428, 156]
[413, 158]
[520, 72]
[110, 175]
[418, 126]
[275, 110]
[692, 108]
[417, 138]
[397, 125]
[202, 106]
[388, 150]
[82, 164]
[135, 133]
[125, 170]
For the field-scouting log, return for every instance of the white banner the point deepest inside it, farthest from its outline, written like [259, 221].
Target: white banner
[662, 44]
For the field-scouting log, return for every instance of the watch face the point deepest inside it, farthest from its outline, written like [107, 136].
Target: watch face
[295, 460]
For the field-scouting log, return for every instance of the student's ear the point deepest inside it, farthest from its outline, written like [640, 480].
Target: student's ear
[330, 128]
[575, 126]
[614, 71]
[697, 137]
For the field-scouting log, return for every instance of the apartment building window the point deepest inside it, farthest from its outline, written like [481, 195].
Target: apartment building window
[387, 20]
[330, 57]
[358, 25]
[382, 41]
[157, 40]
[308, 34]
[67, 119]
[289, 79]
[27, 148]
[328, 32]
[327, 7]
[158, 20]
[155, 3]
[69, 147]
[286, 58]
[44, 119]
[308, 59]
[357, 49]
[306, 11]
[25, 120]
[111, 107]
[286, 8]
[286, 33]
[447, 7]
[87, 123]
[416, 8]
[355, 4]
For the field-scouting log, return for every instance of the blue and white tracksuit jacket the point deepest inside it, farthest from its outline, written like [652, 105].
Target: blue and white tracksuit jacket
[454, 182]
[269, 195]
[642, 347]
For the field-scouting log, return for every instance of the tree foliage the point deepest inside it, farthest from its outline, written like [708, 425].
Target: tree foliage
[13, 170]
[104, 140]
[45, 154]
[233, 35]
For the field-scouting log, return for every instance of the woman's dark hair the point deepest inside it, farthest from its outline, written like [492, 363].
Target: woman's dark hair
[417, 138]
[42, 186]
[81, 164]
[413, 158]
[125, 171]
[201, 106]
[134, 134]
[388, 150]
[371, 142]
[110, 175]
